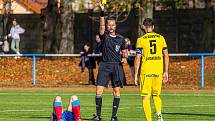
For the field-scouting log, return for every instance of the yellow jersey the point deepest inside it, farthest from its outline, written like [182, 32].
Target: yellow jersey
[151, 46]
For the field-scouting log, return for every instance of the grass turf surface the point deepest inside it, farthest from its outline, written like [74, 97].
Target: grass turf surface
[36, 105]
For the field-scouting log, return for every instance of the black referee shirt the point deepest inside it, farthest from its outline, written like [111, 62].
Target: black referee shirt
[111, 47]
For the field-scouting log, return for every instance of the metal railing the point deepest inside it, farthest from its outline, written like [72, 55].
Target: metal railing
[202, 55]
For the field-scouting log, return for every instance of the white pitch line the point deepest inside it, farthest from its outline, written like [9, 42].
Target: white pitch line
[188, 106]
[169, 106]
[21, 110]
[92, 94]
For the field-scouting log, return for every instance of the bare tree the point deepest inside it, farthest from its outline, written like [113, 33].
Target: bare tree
[145, 11]
[58, 22]
[67, 19]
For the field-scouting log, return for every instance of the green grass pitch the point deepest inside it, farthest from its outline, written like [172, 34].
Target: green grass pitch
[37, 106]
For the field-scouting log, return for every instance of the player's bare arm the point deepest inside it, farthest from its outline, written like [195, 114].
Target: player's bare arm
[124, 55]
[166, 65]
[102, 20]
[136, 68]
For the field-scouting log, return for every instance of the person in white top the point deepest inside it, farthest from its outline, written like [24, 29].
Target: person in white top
[15, 31]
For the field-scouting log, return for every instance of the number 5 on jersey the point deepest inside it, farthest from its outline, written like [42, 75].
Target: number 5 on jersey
[152, 46]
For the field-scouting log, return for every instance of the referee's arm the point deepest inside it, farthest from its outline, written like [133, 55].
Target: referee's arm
[102, 20]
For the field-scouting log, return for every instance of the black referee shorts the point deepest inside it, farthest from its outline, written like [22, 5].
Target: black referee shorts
[110, 71]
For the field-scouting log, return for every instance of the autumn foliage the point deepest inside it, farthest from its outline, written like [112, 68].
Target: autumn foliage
[58, 71]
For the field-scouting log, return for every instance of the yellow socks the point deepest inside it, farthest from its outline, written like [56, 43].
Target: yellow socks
[157, 103]
[147, 109]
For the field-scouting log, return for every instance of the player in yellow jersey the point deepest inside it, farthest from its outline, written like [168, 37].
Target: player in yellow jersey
[154, 67]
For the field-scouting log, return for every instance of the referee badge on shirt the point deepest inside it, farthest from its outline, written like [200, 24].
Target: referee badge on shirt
[117, 48]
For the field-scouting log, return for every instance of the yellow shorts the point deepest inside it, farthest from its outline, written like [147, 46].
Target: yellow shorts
[150, 84]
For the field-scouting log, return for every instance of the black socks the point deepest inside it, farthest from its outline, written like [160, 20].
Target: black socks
[98, 105]
[116, 101]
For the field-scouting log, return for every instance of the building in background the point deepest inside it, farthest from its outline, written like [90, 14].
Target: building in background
[28, 15]
[24, 6]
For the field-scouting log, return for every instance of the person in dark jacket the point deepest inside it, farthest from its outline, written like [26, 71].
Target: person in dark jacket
[88, 62]
[97, 49]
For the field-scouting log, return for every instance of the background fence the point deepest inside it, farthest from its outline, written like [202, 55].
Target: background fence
[186, 70]
[186, 31]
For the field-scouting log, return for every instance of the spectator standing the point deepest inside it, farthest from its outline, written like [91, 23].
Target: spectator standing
[88, 62]
[97, 49]
[15, 31]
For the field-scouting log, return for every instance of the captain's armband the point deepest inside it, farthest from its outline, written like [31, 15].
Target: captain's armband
[139, 51]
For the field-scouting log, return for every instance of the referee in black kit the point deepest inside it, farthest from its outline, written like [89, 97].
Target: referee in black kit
[110, 68]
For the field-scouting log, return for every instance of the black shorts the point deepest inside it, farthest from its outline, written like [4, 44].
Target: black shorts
[110, 71]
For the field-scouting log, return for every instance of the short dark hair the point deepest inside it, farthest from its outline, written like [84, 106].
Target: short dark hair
[87, 44]
[111, 18]
[148, 22]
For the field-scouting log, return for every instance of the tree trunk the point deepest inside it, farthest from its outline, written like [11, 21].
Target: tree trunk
[149, 9]
[49, 18]
[67, 21]
[208, 30]
[58, 32]
[146, 12]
